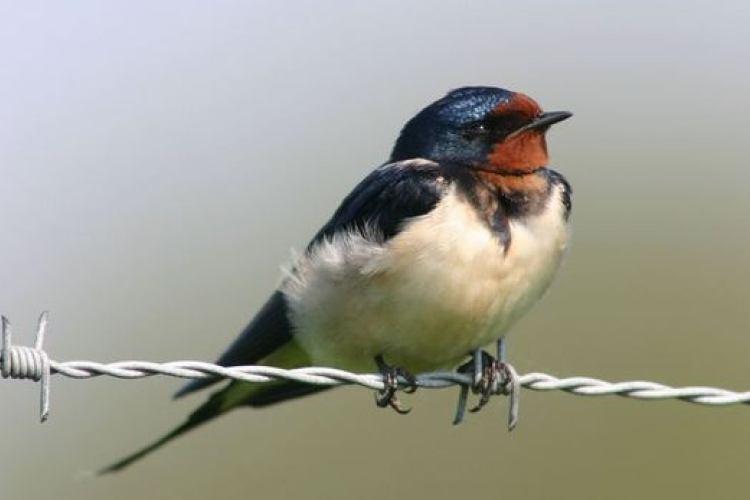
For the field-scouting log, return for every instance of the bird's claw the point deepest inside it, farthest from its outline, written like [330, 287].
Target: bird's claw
[491, 376]
[496, 378]
[387, 396]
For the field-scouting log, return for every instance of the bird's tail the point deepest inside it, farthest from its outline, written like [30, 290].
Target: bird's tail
[233, 395]
[209, 410]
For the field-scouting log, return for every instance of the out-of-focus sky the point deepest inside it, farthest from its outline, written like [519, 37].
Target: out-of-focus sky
[159, 159]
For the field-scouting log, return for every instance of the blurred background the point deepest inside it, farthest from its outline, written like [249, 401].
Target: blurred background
[158, 161]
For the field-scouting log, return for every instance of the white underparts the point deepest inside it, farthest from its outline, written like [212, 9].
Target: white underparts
[439, 289]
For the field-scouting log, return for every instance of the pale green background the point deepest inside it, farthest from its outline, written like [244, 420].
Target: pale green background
[159, 159]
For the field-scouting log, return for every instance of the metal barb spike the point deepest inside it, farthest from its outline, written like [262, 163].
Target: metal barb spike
[23, 362]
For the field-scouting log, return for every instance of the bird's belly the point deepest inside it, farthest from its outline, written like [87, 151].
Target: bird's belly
[438, 290]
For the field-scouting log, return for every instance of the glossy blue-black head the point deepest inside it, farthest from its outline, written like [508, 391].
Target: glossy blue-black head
[484, 127]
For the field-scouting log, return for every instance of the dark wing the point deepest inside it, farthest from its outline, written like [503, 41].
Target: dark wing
[269, 330]
[391, 194]
[387, 197]
[383, 201]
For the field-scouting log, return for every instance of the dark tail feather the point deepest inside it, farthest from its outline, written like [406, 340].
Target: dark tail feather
[209, 410]
[259, 396]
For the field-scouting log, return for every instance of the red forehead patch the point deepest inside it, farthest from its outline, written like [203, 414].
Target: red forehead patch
[519, 103]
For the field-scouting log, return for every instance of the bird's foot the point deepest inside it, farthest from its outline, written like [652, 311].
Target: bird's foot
[490, 376]
[387, 396]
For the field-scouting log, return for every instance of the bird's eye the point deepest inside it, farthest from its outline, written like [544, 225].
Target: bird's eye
[480, 127]
[476, 130]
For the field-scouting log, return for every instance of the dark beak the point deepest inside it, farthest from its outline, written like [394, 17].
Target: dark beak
[543, 121]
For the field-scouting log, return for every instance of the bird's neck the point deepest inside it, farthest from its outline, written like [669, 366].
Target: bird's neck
[520, 194]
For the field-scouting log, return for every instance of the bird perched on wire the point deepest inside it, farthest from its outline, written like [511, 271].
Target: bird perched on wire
[432, 256]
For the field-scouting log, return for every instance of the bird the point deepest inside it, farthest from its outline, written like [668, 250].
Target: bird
[431, 257]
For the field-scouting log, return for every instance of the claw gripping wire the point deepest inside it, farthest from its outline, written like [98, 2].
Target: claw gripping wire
[22, 362]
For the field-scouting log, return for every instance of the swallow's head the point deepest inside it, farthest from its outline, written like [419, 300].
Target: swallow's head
[485, 128]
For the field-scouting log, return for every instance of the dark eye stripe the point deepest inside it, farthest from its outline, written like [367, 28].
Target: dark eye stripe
[495, 127]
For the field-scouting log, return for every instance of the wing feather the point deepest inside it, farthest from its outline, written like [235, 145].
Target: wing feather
[381, 203]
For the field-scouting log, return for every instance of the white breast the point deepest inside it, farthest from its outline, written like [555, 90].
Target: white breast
[438, 290]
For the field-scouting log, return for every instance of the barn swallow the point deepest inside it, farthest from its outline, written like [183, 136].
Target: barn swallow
[432, 256]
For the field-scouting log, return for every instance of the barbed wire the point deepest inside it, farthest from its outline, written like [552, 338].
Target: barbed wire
[22, 362]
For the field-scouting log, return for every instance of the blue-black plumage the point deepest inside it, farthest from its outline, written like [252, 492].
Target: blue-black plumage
[433, 255]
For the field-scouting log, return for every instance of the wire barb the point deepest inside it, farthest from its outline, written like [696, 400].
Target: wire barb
[33, 363]
[23, 362]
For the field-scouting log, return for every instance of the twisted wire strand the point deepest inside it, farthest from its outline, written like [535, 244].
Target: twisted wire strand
[581, 386]
[33, 363]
